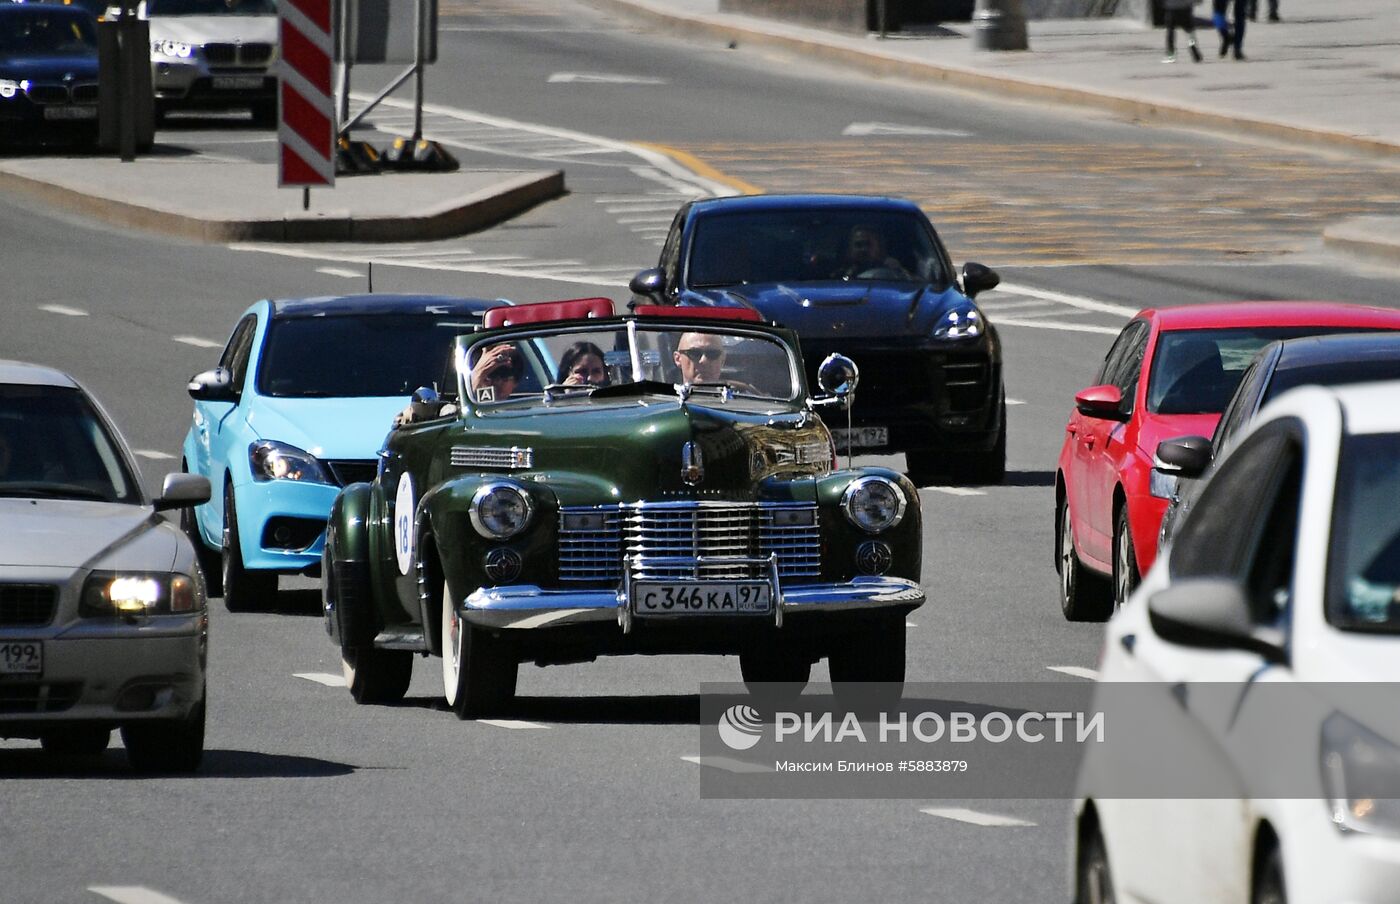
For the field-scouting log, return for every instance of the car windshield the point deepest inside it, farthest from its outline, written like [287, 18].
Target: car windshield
[552, 367]
[54, 445]
[39, 31]
[1364, 582]
[1197, 371]
[211, 7]
[810, 245]
[358, 356]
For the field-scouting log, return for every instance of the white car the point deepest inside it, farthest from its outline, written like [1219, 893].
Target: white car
[214, 54]
[103, 622]
[1269, 633]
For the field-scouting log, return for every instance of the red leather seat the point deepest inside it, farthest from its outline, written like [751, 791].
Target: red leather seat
[568, 309]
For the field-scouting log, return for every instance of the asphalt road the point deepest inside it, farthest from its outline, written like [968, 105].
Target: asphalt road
[307, 797]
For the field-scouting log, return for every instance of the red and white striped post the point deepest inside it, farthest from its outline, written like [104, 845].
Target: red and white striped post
[306, 128]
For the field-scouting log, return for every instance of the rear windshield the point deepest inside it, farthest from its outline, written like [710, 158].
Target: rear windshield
[345, 357]
[211, 7]
[1364, 584]
[36, 30]
[53, 445]
[1197, 371]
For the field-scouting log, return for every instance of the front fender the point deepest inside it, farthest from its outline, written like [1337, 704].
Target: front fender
[841, 540]
[352, 617]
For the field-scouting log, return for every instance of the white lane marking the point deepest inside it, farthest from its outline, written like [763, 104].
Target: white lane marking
[1076, 671]
[152, 453]
[1067, 327]
[198, 342]
[1015, 401]
[1022, 306]
[910, 624]
[131, 894]
[1076, 301]
[63, 309]
[516, 724]
[616, 275]
[864, 129]
[340, 271]
[959, 814]
[641, 205]
[325, 678]
[603, 78]
[727, 764]
[661, 220]
[957, 491]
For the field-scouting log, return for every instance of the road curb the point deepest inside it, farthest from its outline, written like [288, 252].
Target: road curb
[1372, 238]
[1002, 85]
[470, 213]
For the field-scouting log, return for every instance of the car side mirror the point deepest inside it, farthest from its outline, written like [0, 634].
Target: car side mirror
[978, 278]
[1184, 456]
[182, 491]
[838, 377]
[649, 283]
[1104, 402]
[213, 386]
[1211, 613]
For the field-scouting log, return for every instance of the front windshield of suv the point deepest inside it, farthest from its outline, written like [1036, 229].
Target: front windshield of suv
[54, 445]
[550, 367]
[1197, 371]
[211, 7]
[38, 31]
[810, 245]
[1364, 582]
[358, 356]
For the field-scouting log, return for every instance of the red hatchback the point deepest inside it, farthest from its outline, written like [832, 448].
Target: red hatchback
[1169, 373]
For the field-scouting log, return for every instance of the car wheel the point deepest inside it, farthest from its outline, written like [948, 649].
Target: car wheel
[928, 467]
[868, 669]
[210, 562]
[243, 588]
[1268, 882]
[376, 676]
[1094, 882]
[1084, 596]
[76, 740]
[1125, 570]
[478, 679]
[171, 746]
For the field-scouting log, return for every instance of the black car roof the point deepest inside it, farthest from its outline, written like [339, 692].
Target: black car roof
[380, 304]
[1310, 351]
[804, 202]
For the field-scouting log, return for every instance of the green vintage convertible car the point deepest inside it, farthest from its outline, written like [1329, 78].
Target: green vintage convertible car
[597, 485]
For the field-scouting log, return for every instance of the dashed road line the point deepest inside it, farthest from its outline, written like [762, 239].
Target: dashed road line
[728, 765]
[132, 894]
[1077, 301]
[340, 271]
[64, 310]
[991, 820]
[867, 129]
[1076, 671]
[514, 724]
[957, 491]
[198, 342]
[325, 678]
[1066, 327]
[604, 78]
[153, 454]
[1015, 401]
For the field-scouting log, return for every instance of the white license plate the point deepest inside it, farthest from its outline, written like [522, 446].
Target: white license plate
[701, 597]
[237, 82]
[67, 113]
[21, 657]
[861, 437]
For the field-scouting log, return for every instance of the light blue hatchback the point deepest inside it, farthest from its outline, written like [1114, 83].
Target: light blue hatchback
[298, 407]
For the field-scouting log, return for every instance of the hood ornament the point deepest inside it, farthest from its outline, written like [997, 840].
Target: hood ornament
[692, 464]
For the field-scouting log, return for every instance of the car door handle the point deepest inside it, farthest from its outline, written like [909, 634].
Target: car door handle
[1072, 430]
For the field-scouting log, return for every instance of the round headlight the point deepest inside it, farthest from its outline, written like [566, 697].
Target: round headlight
[500, 510]
[873, 504]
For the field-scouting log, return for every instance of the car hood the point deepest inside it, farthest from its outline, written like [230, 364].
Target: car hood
[1158, 427]
[49, 68]
[840, 308]
[215, 29]
[327, 428]
[63, 533]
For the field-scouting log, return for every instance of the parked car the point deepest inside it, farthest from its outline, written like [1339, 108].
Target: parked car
[1170, 373]
[298, 406]
[868, 275]
[1280, 366]
[686, 501]
[214, 55]
[48, 73]
[1262, 652]
[102, 608]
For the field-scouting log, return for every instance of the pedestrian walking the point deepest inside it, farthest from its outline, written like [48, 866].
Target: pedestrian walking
[1179, 14]
[1254, 11]
[1231, 34]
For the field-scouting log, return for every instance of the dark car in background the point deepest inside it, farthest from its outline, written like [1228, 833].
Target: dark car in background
[870, 276]
[48, 73]
[1341, 360]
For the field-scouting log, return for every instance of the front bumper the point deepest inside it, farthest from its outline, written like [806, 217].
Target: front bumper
[195, 85]
[302, 508]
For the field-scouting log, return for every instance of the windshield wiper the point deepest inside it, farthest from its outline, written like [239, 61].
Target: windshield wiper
[53, 491]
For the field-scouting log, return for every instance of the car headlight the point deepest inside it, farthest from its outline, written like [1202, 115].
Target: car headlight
[1361, 774]
[278, 461]
[1163, 486]
[9, 88]
[500, 510]
[172, 49]
[873, 504]
[109, 593]
[962, 322]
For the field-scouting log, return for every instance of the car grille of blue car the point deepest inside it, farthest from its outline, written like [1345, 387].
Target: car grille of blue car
[649, 533]
[348, 471]
[27, 605]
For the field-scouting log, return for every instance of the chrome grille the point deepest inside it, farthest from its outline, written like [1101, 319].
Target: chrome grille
[244, 55]
[27, 604]
[682, 533]
[514, 458]
[348, 471]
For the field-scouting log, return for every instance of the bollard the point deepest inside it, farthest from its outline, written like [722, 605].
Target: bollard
[999, 25]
